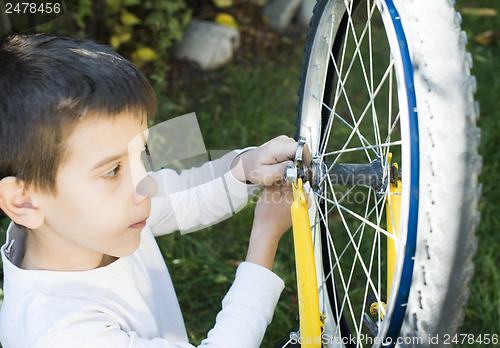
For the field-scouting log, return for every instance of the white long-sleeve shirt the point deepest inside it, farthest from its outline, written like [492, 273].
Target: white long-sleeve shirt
[132, 301]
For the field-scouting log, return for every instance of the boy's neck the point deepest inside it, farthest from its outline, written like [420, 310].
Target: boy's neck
[38, 257]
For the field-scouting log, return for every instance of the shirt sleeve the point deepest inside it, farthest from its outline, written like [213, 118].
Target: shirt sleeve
[247, 310]
[198, 197]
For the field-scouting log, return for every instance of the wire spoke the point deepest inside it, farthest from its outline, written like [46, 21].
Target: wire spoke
[340, 83]
[362, 138]
[364, 148]
[349, 234]
[358, 120]
[358, 44]
[356, 126]
[381, 201]
[346, 298]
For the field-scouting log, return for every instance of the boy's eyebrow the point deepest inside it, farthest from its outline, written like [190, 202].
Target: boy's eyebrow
[109, 159]
[114, 158]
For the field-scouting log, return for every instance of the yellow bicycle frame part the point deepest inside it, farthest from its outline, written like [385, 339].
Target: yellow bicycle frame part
[307, 286]
[393, 213]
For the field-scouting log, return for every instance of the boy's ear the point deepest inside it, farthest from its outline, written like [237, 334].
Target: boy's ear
[17, 203]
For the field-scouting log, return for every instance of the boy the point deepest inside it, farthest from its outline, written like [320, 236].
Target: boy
[81, 266]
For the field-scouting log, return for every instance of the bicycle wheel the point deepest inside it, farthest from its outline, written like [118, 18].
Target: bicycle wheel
[386, 97]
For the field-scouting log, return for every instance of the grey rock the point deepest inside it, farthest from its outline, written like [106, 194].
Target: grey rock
[306, 11]
[209, 44]
[281, 12]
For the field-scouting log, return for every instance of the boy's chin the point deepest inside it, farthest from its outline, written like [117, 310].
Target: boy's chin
[128, 250]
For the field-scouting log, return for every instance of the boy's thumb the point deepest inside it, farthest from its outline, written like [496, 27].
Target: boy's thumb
[275, 173]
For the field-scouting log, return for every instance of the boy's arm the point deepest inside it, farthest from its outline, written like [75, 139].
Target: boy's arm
[203, 196]
[271, 219]
[247, 310]
[256, 290]
[198, 197]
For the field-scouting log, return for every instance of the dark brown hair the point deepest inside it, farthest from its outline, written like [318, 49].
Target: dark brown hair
[47, 84]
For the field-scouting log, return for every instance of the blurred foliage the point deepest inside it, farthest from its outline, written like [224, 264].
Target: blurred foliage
[223, 3]
[226, 20]
[141, 30]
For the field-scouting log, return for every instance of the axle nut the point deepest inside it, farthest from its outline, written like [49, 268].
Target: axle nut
[291, 174]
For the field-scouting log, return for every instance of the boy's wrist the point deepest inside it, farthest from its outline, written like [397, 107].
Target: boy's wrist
[262, 247]
[262, 255]
[239, 167]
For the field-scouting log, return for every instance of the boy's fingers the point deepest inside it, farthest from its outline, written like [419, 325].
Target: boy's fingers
[272, 159]
[306, 155]
[270, 174]
[286, 189]
[285, 148]
[308, 199]
[281, 139]
[281, 149]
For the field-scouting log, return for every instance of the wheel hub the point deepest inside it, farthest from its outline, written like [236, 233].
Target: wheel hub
[375, 174]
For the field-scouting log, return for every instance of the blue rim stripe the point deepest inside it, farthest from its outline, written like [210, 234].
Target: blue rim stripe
[411, 238]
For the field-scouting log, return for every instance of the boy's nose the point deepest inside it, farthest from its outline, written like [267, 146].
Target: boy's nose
[147, 187]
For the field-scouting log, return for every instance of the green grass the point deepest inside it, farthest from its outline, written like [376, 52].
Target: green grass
[247, 106]
[483, 308]
[243, 107]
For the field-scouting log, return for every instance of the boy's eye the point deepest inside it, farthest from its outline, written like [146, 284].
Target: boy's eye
[112, 173]
[146, 159]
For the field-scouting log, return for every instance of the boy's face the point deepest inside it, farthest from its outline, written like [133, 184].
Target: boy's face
[97, 210]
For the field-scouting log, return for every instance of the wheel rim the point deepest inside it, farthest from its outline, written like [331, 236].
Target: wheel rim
[359, 88]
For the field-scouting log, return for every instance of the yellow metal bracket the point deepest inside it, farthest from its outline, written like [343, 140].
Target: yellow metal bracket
[393, 213]
[309, 316]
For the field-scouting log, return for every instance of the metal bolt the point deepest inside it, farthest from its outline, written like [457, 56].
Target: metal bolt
[291, 174]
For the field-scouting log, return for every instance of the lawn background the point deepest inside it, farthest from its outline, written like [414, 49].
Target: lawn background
[253, 100]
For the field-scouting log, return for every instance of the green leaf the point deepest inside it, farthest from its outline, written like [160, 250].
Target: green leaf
[155, 18]
[223, 3]
[175, 28]
[226, 20]
[85, 7]
[84, 10]
[132, 2]
[186, 18]
[220, 278]
[114, 4]
[129, 19]
[144, 54]
[171, 6]
[117, 40]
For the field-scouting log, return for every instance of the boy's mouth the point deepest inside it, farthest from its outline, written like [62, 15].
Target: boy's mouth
[139, 225]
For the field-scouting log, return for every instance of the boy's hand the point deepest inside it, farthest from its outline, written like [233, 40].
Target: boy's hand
[271, 220]
[266, 164]
[272, 212]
